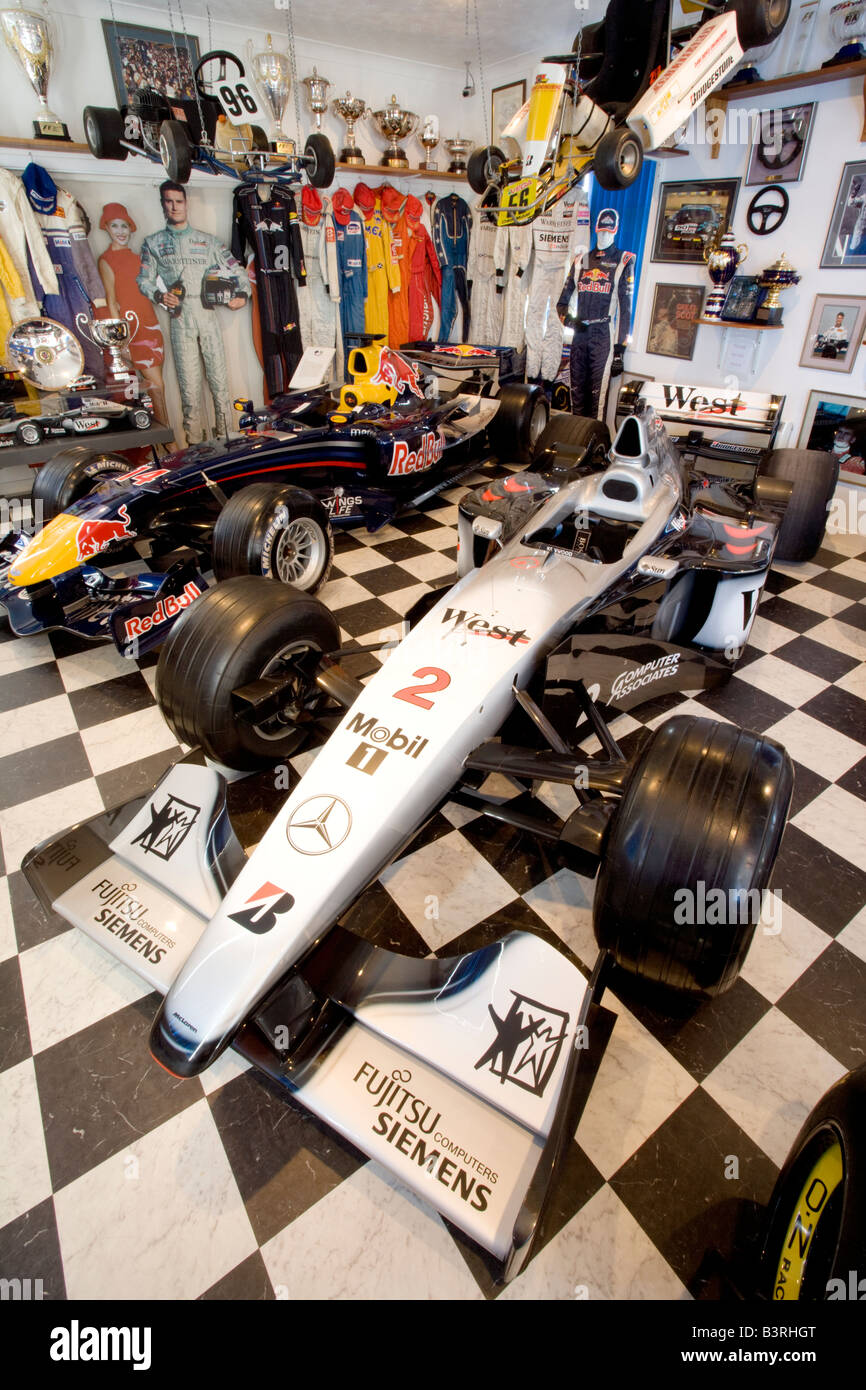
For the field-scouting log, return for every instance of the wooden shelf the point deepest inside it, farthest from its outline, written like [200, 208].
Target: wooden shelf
[735, 323]
[388, 171]
[718, 100]
[9, 142]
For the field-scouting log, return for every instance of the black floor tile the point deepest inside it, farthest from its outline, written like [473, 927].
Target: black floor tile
[33, 923]
[46, 768]
[96, 704]
[247, 1282]
[744, 703]
[854, 780]
[828, 1002]
[14, 1033]
[791, 615]
[843, 584]
[855, 616]
[404, 549]
[807, 785]
[839, 710]
[386, 579]
[121, 784]
[21, 688]
[817, 658]
[367, 616]
[30, 1249]
[376, 917]
[817, 883]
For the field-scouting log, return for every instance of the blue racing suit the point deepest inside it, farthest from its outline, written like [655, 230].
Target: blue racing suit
[452, 228]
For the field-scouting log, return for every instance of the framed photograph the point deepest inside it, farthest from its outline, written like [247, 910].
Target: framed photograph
[781, 141]
[838, 424]
[505, 102]
[743, 297]
[845, 247]
[674, 321]
[150, 58]
[835, 332]
[689, 214]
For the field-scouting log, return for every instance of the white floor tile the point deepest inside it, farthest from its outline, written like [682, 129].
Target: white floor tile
[817, 600]
[855, 683]
[8, 940]
[767, 636]
[564, 903]
[841, 636]
[777, 958]
[101, 662]
[837, 819]
[28, 824]
[359, 561]
[815, 745]
[853, 937]
[777, 677]
[853, 569]
[127, 739]
[24, 1176]
[432, 567]
[69, 983]
[20, 653]
[445, 888]
[45, 720]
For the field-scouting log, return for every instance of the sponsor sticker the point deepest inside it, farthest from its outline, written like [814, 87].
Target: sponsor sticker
[628, 681]
[528, 1041]
[482, 627]
[318, 825]
[169, 826]
[405, 460]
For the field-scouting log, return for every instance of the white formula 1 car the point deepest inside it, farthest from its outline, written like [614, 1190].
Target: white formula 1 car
[583, 585]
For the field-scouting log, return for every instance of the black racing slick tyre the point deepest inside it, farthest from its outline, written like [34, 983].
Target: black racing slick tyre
[277, 531]
[30, 432]
[618, 159]
[519, 422]
[248, 629]
[103, 131]
[814, 475]
[323, 167]
[483, 167]
[175, 150]
[703, 810]
[815, 1246]
[139, 418]
[759, 21]
[571, 441]
[72, 474]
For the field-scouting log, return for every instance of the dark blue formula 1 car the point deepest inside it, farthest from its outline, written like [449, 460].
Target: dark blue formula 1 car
[265, 503]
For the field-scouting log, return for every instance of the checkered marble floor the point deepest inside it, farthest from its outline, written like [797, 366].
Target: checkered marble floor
[118, 1181]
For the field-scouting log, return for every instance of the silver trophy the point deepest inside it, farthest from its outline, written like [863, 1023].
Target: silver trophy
[112, 337]
[29, 35]
[395, 124]
[429, 138]
[350, 109]
[458, 150]
[45, 353]
[272, 73]
[317, 95]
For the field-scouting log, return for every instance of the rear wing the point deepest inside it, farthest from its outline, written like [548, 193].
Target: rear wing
[749, 418]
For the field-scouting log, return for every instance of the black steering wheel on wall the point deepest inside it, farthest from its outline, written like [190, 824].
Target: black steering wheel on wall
[767, 210]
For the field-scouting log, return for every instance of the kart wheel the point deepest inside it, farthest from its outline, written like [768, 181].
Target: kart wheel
[518, 423]
[759, 21]
[175, 150]
[139, 419]
[572, 441]
[103, 131]
[321, 171]
[30, 432]
[245, 630]
[72, 474]
[814, 475]
[482, 168]
[704, 809]
[618, 159]
[277, 531]
[816, 1227]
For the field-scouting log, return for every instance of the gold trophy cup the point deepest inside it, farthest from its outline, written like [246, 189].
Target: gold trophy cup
[30, 36]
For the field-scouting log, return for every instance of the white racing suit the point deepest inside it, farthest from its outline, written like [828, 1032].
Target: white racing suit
[556, 237]
[487, 276]
[318, 301]
[519, 243]
[173, 255]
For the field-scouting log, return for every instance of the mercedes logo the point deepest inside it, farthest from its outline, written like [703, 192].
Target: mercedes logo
[318, 825]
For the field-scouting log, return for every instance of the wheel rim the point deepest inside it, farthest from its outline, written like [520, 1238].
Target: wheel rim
[90, 132]
[165, 154]
[30, 434]
[298, 660]
[628, 159]
[812, 1230]
[778, 9]
[299, 553]
[538, 422]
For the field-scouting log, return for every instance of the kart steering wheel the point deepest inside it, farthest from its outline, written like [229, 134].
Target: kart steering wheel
[767, 210]
[224, 57]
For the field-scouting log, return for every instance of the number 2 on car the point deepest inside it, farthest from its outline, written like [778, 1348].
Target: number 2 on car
[411, 693]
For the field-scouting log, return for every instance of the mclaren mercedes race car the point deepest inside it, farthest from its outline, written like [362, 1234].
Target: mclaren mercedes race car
[628, 85]
[93, 417]
[265, 503]
[197, 132]
[581, 587]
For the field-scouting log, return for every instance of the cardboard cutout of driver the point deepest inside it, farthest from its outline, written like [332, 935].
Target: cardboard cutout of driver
[174, 266]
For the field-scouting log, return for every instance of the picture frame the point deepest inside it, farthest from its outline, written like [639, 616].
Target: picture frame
[742, 299]
[690, 212]
[673, 326]
[837, 423]
[845, 246]
[143, 57]
[505, 102]
[835, 332]
[780, 146]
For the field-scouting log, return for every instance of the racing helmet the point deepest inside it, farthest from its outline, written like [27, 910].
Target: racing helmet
[218, 288]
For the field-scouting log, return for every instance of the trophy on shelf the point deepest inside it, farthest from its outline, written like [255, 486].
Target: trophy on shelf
[848, 27]
[271, 71]
[350, 109]
[112, 337]
[317, 95]
[722, 256]
[29, 35]
[459, 151]
[45, 353]
[395, 124]
[777, 277]
[429, 138]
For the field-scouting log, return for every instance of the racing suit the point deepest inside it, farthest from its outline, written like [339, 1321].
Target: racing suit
[184, 254]
[425, 282]
[20, 230]
[452, 227]
[383, 271]
[11, 293]
[318, 303]
[602, 283]
[555, 237]
[519, 242]
[79, 287]
[393, 206]
[270, 228]
[351, 263]
[486, 275]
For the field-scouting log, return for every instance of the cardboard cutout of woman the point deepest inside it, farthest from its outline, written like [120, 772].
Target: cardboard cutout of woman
[119, 266]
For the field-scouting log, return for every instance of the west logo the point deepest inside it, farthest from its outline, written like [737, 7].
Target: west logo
[260, 912]
[683, 398]
[480, 627]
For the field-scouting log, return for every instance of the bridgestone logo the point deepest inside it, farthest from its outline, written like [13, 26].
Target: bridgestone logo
[629, 681]
[706, 86]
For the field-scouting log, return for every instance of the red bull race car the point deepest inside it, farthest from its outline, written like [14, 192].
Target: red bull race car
[266, 503]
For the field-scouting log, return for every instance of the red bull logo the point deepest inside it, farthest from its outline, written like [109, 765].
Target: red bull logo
[398, 374]
[94, 536]
[166, 609]
[405, 460]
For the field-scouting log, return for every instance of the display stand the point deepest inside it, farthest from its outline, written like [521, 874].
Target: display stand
[756, 328]
[718, 101]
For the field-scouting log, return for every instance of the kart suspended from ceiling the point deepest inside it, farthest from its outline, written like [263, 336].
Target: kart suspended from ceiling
[199, 132]
[615, 98]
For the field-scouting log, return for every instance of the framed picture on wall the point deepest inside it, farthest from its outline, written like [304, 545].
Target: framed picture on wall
[835, 332]
[674, 320]
[690, 213]
[157, 58]
[845, 247]
[505, 102]
[779, 148]
[743, 297]
[838, 424]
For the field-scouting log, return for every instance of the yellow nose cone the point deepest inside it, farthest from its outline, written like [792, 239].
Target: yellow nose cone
[53, 551]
